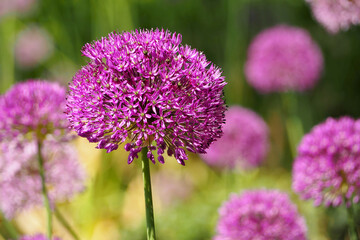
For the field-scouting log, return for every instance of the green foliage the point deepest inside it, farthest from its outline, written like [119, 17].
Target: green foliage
[223, 31]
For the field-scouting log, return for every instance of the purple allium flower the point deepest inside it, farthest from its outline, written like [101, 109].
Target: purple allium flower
[37, 237]
[336, 15]
[244, 142]
[20, 182]
[283, 58]
[260, 215]
[327, 167]
[146, 87]
[33, 46]
[34, 108]
[15, 6]
[171, 189]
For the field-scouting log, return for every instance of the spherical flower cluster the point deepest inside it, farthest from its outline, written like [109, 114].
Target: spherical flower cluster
[336, 15]
[283, 58]
[260, 215]
[327, 167]
[37, 237]
[145, 87]
[171, 189]
[34, 108]
[15, 6]
[244, 142]
[20, 182]
[32, 47]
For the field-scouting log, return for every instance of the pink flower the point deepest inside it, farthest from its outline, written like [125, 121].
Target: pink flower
[260, 215]
[20, 182]
[283, 58]
[244, 142]
[147, 88]
[327, 167]
[34, 108]
[32, 47]
[37, 237]
[16, 6]
[171, 189]
[336, 15]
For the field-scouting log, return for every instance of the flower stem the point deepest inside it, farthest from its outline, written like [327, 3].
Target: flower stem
[12, 231]
[7, 38]
[150, 229]
[65, 224]
[353, 234]
[293, 124]
[44, 192]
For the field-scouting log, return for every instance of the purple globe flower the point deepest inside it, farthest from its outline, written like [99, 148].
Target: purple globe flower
[16, 6]
[20, 182]
[336, 15]
[260, 215]
[146, 87]
[283, 58]
[244, 142]
[33, 108]
[33, 46]
[327, 168]
[37, 237]
[171, 189]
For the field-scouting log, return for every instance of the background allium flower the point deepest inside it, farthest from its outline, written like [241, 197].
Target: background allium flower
[20, 183]
[34, 108]
[327, 168]
[336, 15]
[37, 237]
[145, 86]
[283, 58]
[260, 215]
[15, 6]
[170, 188]
[32, 47]
[244, 142]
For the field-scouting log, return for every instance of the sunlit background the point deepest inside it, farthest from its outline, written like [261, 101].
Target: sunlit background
[42, 40]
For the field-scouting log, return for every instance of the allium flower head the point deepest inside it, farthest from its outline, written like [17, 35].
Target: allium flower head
[34, 108]
[260, 215]
[15, 6]
[145, 86]
[283, 58]
[171, 189]
[336, 15]
[37, 237]
[20, 182]
[327, 167]
[32, 47]
[244, 142]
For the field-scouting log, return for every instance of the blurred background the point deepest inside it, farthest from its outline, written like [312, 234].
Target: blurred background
[49, 36]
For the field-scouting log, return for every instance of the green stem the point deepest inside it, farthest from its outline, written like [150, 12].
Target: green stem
[65, 224]
[150, 229]
[353, 234]
[7, 66]
[234, 46]
[9, 227]
[294, 128]
[44, 192]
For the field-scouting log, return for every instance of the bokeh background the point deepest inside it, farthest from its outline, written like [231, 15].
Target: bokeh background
[51, 34]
